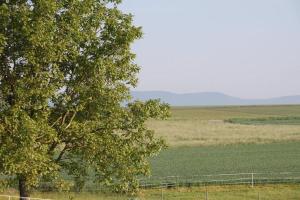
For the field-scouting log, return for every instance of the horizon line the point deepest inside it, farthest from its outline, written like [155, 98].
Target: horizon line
[185, 93]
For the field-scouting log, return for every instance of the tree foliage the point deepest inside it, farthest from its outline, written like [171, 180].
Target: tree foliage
[66, 69]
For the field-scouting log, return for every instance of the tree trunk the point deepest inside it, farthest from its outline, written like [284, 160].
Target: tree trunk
[23, 188]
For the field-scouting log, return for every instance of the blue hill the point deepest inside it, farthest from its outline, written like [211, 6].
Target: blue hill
[210, 99]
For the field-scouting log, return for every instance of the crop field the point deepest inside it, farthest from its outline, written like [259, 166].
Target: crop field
[222, 140]
[216, 140]
[207, 126]
[268, 120]
[241, 158]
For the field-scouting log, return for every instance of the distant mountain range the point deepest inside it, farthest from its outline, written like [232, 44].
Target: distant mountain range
[210, 99]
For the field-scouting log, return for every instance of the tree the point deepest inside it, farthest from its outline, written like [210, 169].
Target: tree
[66, 71]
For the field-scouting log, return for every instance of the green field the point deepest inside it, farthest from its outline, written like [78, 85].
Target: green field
[202, 141]
[186, 161]
[206, 126]
[222, 140]
[267, 120]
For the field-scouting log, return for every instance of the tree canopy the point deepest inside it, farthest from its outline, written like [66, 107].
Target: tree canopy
[66, 70]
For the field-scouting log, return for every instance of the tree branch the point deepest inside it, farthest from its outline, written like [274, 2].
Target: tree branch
[52, 147]
[56, 121]
[71, 120]
[64, 118]
[61, 153]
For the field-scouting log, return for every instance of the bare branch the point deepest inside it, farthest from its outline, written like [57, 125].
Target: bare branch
[56, 121]
[64, 118]
[71, 120]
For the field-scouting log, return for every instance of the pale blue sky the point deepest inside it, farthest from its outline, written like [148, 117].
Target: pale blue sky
[244, 48]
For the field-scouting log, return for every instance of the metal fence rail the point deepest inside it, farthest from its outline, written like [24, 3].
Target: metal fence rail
[221, 179]
[251, 179]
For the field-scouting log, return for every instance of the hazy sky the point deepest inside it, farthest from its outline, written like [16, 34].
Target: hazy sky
[244, 48]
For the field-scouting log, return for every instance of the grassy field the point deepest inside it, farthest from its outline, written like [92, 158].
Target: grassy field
[206, 126]
[218, 140]
[187, 161]
[267, 120]
[273, 192]
[202, 141]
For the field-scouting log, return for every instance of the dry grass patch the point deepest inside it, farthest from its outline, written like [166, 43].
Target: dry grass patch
[207, 126]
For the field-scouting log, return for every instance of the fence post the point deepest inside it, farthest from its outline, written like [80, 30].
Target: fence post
[206, 194]
[252, 179]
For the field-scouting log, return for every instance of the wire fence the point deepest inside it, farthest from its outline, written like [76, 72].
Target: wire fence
[164, 183]
[220, 179]
[249, 178]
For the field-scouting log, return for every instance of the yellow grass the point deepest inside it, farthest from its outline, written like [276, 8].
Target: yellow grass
[235, 192]
[206, 126]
